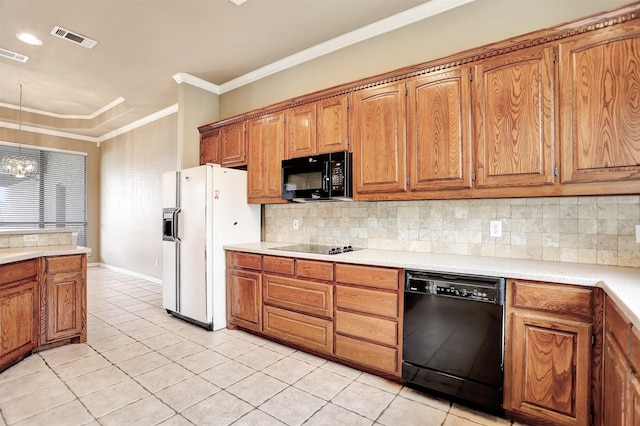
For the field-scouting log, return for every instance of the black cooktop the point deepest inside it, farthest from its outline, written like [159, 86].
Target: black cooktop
[316, 249]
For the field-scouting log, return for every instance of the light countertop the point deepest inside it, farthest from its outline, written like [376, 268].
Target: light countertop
[30, 231]
[621, 284]
[8, 255]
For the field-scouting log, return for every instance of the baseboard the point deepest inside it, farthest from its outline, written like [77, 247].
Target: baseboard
[125, 271]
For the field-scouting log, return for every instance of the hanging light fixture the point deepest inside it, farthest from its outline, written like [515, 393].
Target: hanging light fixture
[19, 166]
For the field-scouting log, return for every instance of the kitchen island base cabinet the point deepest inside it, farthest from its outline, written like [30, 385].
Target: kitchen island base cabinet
[64, 299]
[548, 353]
[18, 311]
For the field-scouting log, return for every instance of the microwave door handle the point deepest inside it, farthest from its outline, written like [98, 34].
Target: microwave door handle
[326, 176]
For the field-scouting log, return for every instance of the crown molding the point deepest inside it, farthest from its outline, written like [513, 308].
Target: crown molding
[399, 20]
[182, 77]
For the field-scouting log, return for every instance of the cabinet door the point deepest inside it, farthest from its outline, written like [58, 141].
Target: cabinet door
[332, 129]
[513, 119]
[244, 299]
[210, 147]
[301, 131]
[273, 145]
[379, 136]
[234, 145]
[63, 298]
[599, 111]
[438, 131]
[549, 362]
[614, 383]
[633, 402]
[266, 151]
[256, 165]
[18, 315]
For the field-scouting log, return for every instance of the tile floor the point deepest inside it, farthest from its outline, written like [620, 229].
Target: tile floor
[141, 366]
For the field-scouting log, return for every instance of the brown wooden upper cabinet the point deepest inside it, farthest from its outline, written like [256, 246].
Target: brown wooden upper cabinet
[438, 131]
[210, 146]
[317, 128]
[512, 114]
[234, 145]
[600, 105]
[379, 138]
[266, 149]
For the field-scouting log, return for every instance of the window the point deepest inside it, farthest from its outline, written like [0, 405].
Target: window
[54, 197]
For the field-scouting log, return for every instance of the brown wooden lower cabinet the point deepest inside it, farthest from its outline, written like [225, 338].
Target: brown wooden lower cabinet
[356, 320]
[42, 302]
[621, 370]
[548, 353]
[18, 310]
[62, 298]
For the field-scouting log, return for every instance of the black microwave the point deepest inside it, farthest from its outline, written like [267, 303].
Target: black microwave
[321, 177]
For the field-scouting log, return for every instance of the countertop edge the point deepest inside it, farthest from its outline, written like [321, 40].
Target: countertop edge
[620, 283]
[10, 255]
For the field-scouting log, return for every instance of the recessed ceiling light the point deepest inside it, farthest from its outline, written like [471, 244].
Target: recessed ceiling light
[29, 39]
[237, 2]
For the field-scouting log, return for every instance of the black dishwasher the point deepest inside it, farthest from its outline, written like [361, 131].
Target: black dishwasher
[453, 338]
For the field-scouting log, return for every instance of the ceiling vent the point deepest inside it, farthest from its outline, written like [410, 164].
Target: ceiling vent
[4, 53]
[73, 37]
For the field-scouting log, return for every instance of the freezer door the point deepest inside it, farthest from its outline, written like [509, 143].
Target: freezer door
[170, 245]
[194, 292]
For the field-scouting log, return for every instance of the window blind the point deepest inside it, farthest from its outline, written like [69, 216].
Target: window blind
[54, 197]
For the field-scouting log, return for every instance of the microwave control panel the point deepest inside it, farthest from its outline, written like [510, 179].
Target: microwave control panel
[337, 175]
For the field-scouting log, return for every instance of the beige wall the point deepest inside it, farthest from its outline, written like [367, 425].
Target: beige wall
[196, 107]
[472, 25]
[93, 176]
[131, 196]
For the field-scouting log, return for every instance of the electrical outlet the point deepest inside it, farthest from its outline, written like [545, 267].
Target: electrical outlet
[30, 238]
[495, 228]
[637, 233]
[296, 224]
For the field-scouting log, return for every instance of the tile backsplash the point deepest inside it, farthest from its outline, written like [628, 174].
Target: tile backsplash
[594, 230]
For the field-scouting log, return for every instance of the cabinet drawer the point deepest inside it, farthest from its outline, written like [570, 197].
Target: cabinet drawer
[279, 265]
[303, 296]
[617, 325]
[367, 301]
[18, 271]
[377, 330]
[315, 269]
[244, 260]
[369, 276]
[375, 356]
[63, 264]
[310, 332]
[556, 298]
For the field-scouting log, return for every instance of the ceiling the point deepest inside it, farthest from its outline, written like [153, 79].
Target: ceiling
[89, 94]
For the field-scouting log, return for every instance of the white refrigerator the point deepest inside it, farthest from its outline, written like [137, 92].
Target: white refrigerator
[204, 208]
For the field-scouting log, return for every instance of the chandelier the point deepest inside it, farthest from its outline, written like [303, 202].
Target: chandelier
[19, 166]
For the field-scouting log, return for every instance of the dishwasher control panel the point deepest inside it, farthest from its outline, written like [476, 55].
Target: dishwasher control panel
[483, 289]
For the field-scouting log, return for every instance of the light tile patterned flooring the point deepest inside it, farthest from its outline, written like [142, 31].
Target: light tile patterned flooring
[141, 366]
